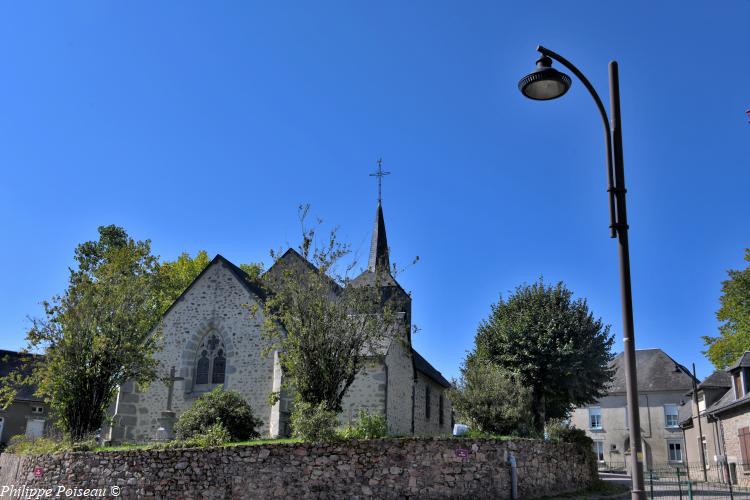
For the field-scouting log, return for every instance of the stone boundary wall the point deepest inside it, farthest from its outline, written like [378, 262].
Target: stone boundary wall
[392, 468]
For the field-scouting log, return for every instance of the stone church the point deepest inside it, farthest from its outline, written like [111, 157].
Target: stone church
[210, 339]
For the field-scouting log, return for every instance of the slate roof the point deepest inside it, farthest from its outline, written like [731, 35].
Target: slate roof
[727, 402]
[379, 243]
[423, 366]
[10, 361]
[717, 380]
[656, 372]
[685, 414]
[743, 362]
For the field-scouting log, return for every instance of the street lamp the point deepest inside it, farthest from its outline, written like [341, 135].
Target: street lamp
[547, 83]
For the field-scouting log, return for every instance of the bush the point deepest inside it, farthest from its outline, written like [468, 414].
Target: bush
[214, 435]
[561, 432]
[24, 445]
[367, 426]
[491, 400]
[314, 423]
[227, 408]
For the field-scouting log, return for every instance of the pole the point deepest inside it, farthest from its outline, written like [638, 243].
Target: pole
[700, 427]
[628, 330]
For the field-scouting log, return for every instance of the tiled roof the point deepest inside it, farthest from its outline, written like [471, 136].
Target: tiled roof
[656, 371]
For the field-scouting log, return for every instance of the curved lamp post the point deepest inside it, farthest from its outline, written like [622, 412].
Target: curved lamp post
[547, 83]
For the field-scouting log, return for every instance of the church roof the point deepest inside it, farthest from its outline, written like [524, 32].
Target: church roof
[251, 285]
[11, 361]
[293, 261]
[423, 366]
[378, 259]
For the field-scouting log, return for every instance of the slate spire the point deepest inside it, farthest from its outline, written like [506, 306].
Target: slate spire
[379, 260]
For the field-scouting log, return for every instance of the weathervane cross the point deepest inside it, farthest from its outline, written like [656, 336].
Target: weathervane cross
[380, 174]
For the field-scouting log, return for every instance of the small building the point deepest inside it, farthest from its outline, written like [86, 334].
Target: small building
[662, 385]
[719, 424]
[27, 414]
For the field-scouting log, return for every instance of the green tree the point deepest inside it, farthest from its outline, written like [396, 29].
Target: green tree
[175, 276]
[554, 345]
[734, 318]
[491, 399]
[323, 329]
[101, 332]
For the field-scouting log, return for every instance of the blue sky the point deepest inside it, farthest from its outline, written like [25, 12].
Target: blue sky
[202, 125]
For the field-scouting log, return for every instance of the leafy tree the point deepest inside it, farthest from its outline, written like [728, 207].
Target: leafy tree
[491, 399]
[175, 276]
[226, 408]
[98, 334]
[734, 315]
[554, 345]
[323, 329]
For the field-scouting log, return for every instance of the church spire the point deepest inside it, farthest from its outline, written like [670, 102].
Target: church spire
[379, 260]
[379, 245]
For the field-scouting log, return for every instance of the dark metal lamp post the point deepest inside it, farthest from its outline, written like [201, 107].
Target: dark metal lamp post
[547, 83]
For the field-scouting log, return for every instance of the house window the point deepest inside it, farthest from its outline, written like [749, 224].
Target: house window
[211, 363]
[670, 416]
[599, 450]
[595, 418]
[744, 438]
[427, 402]
[704, 447]
[675, 451]
[38, 409]
[440, 410]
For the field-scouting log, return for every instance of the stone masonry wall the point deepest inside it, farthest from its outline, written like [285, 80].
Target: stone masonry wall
[414, 468]
[400, 371]
[424, 426]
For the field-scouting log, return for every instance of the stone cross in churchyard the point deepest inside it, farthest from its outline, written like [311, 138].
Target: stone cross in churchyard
[165, 432]
[170, 387]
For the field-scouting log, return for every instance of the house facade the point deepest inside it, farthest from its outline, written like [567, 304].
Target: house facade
[662, 385]
[717, 425]
[27, 414]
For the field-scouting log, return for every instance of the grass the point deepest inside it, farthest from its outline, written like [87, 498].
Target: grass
[600, 489]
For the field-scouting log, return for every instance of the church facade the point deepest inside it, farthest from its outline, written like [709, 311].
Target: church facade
[211, 339]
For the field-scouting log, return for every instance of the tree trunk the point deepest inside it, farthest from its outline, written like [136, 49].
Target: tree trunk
[539, 407]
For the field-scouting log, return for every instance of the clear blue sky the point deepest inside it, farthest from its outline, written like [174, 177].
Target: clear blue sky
[202, 125]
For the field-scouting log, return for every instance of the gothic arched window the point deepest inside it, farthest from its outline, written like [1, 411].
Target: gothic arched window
[211, 364]
[220, 364]
[201, 374]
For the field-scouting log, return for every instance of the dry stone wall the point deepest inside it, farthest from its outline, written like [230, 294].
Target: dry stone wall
[396, 468]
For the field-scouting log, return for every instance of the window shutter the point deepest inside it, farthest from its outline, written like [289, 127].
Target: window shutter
[744, 437]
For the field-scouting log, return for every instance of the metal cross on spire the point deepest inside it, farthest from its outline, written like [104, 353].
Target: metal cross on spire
[380, 174]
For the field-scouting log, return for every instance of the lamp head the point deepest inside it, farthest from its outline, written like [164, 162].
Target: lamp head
[545, 82]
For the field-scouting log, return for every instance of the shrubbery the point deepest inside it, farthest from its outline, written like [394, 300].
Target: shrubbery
[367, 426]
[491, 400]
[225, 408]
[314, 423]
